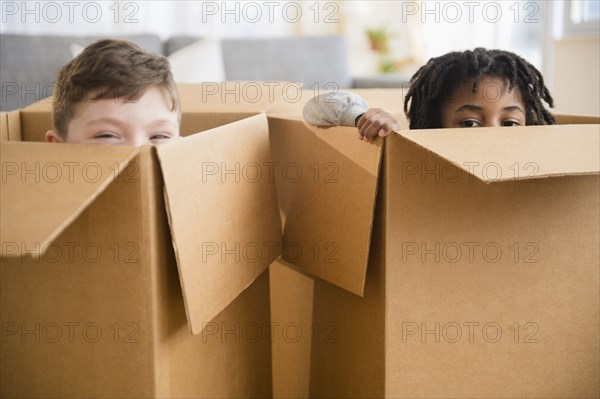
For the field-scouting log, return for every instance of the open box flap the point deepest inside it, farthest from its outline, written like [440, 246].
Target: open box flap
[327, 200]
[223, 213]
[331, 223]
[46, 187]
[502, 154]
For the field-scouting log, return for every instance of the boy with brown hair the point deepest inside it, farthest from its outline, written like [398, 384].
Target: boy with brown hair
[114, 92]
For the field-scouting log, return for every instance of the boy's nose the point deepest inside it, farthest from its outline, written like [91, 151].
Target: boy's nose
[491, 124]
[137, 140]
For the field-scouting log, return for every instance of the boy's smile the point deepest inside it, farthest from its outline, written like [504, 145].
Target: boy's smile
[492, 105]
[147, 120]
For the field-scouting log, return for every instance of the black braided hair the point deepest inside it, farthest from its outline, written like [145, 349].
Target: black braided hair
[437, 79]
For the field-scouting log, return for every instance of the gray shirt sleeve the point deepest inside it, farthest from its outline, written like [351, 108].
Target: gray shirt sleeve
[334, 109]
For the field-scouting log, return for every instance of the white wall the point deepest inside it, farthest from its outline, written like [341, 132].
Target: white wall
[576, 83]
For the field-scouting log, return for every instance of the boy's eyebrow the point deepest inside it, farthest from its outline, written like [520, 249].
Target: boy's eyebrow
[471, 107]
[514, 108]
[105, 119]
[162, 121]
[114, 121]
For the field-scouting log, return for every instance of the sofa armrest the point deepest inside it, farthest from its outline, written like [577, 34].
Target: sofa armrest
[381, 82]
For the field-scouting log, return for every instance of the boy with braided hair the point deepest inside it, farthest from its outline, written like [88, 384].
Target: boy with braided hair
[479, 88]
[441, 80]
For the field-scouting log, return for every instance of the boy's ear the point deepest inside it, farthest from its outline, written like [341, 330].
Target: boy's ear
[53, 137]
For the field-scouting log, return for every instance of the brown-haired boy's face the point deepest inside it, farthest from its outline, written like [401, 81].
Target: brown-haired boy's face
[492, 105]
[147, 120]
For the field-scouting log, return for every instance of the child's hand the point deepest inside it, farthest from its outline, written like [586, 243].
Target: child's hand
[376, 122]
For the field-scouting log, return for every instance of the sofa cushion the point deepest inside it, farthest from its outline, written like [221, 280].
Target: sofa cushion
[30, 64]
[201, 61]
[177, 43]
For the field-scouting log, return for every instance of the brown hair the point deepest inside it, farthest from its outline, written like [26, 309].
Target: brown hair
[109, 69]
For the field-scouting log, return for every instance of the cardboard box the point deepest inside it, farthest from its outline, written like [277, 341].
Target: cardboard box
[111, 255]
[291, 315]
[375, 223]
[454, 263]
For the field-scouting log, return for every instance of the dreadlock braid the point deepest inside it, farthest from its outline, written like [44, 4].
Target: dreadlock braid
[437, 79]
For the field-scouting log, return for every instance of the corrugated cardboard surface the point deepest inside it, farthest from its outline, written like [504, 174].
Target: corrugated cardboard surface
[36, 120]
[348, 356]
[74, 298]
[360, 346]
[330, 204]
[3, 126]
[238, 96]
[10, 126]
[566, 119]
[122, 281]
[231, 358]
[244, 237]
[540, 270]
[208, 105]
[101, 314]
[530, 152]
[326, 188]
[548, 223]
[36, 177]
[293, 330]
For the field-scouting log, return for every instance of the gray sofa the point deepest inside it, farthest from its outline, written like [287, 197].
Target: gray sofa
[29, 64]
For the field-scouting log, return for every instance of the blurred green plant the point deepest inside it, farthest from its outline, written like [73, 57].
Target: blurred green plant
[379, 39]
[387, 66]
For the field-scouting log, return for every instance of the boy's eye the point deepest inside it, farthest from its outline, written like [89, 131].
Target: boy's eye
[160, 136]
[470, 123]
[510, 123]
[106, 135]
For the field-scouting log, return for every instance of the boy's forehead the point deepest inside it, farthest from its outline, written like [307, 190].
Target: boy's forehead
[489, 89]
[153, 104]
[486, 82]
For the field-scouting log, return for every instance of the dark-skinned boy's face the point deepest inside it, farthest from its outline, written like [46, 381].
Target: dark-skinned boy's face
[492, 105]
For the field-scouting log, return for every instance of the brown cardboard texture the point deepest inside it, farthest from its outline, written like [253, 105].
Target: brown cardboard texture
[345, 174]
[91, 301]
[327, 161]
[483, 261]
[291, 295]
[217, 264]
[566, 119]
[3, 126]
[208, 105]
[39, 190]
[10, 126]
[539, 151]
